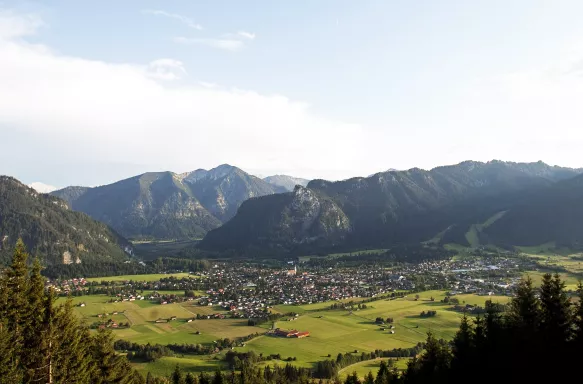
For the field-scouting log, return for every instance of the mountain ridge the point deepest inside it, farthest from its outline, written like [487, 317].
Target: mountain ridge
[398, 206]
[51, 230]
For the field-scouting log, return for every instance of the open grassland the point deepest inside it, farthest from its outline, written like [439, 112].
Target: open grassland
[342, 254]
[144, 328]
[339, 331]
[194, 364]
[151, 277]
[332, 331]
[363, 368]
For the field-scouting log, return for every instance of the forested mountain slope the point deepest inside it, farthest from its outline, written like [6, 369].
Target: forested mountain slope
[403, 206]
[51, 230]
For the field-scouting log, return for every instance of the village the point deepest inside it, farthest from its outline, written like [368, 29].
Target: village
[251, 290]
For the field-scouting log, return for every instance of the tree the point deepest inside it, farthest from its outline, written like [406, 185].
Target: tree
[369, 379]
[177, 376]
[190, 379]
[352, 379]
[556, 312]
[218, 377]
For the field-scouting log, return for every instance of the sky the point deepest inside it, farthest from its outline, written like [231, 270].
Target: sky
[94, 92]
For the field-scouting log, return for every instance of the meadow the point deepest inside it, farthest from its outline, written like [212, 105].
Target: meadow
[150, 277]
[331, 331]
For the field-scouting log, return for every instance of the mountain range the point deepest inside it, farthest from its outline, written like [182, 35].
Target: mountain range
[166, 205]
[51, 231]
[470, 203]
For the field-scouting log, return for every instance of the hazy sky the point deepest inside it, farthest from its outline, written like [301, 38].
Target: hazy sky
[92, 92]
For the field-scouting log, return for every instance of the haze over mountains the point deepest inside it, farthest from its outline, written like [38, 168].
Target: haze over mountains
[443, 204]
[166, 205]
[471, 204]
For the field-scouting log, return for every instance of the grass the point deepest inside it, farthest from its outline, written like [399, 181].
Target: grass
[150, 277]
[342, 254]
[332, 331]
[339, 331]
[364, 367]
[193, 364]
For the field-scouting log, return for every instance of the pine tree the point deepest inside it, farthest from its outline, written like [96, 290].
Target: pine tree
[218, 378]
[369, 379]
[73, 361]
[16, 277]
[463, 347]
[523, 314]
[578, 319]
[352, 379]
[36, 345]
[190, 379]
[110, 367]
[9, 373]
[556, 312]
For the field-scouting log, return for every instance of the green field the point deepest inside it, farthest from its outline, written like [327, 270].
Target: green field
[338, 331]
[363, 368]
[332, 331]
[151, 277]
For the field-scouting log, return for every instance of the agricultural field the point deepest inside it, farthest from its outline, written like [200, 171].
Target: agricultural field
[339, 331]
[363, 368]
[150, 277]
[331, 331]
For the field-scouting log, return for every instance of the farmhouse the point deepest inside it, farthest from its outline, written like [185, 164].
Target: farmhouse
[293, 333]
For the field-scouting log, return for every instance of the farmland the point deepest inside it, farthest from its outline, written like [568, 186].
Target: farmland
[332, 331]
[151, 277]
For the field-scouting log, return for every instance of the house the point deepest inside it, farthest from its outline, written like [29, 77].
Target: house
[173, 318]
[283, 333]
[161, 321]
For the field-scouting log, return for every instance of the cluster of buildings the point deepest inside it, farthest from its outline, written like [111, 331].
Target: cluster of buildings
[292, 333]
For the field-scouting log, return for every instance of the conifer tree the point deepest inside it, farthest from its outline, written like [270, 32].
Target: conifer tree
[110, 367]
[73, 362]
[218, 378]
[463, 346]
[556, 312]
[177, 377]
[9, 373]
[369, 379]
[190, 379]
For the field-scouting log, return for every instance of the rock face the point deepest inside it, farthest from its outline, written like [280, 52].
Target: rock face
[51, 230]
[385, 208]
[222, 190]
[286, 183]
[165, 205]
[280, 222]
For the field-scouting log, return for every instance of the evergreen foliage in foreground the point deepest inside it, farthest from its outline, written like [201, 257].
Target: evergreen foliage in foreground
[539, 340]
[41, 342]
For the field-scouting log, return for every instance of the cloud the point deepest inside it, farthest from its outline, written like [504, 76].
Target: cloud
[14, 25]
[224, 44]
[183, 19]
[246, 35]
[93, 122]
[166, 69]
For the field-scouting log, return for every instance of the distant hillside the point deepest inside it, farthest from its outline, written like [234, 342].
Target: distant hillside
[165, 205]
[50, 230]
[282, 222]
[152, 205]
[287, 183]
[222, 189]
[554, 214]
[402, 206]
